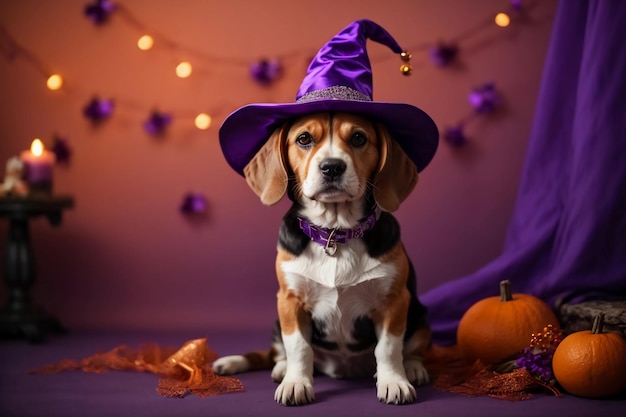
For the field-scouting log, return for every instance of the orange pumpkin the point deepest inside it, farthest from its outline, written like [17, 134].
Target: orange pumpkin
[497, 328]
[591, 363]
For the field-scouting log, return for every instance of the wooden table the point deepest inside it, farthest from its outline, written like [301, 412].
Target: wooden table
[20, 317]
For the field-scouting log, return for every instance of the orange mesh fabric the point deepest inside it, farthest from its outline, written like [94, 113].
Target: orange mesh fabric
[182, 371]
[207, 384]
[452, 373]
[513, 386]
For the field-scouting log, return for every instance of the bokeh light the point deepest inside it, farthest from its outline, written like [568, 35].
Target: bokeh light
[183, 70]
[203, 121]
[145, 42]
[502, 20]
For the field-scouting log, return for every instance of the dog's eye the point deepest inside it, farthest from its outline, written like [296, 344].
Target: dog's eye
[358, 139]
[304, 140]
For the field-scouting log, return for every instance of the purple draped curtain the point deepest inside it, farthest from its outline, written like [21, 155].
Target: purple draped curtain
[566, 240]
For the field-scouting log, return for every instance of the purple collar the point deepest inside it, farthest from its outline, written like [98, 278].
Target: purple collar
[329, 238]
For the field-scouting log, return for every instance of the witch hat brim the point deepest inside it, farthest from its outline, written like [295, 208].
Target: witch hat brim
[339, 80]
[246, 130]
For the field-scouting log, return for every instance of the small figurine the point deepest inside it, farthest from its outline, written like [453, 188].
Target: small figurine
[13, 183]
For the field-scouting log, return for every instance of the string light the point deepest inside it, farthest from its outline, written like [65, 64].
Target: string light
[502, 20]
[203, 121]
[145, 42]
[54, 82]
[263, 71]
[183, 70]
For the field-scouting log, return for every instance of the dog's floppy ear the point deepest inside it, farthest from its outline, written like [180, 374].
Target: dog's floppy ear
[266, 173]
[397, 174]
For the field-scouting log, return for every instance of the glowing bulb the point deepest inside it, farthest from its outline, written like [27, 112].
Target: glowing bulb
[183, 70]
[145, 42]
[36, 148]
[55, 81]
[502, 20]
[203, 121]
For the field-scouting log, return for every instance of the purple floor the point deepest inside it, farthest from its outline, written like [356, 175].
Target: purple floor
[133, 394]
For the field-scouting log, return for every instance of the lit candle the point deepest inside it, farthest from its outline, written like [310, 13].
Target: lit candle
[38, 167]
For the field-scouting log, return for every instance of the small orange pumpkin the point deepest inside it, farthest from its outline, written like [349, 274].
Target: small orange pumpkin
[591, 363]
[497, 328]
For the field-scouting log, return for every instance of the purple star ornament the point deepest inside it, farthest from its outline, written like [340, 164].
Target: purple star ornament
[61, 150]
[99, 11]
[484, 99]
[157, 123]
[193, 203]
[98, 110]
[455, 136]
[443, 54]
[266, 71]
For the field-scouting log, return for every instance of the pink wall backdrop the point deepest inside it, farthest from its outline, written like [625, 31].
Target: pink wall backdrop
[126, 257]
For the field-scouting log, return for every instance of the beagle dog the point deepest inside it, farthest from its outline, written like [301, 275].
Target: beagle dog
[347, 302]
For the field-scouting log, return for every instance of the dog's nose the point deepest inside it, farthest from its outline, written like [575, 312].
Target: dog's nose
[332, 167]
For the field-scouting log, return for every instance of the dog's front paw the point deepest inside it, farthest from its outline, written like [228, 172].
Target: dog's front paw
[298, 392]
[415, 372]
[229, 365]
[398, 391]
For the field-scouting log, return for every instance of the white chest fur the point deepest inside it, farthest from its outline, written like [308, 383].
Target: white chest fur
[341, 288]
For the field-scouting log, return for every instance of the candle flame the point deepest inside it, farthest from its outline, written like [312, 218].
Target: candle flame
[37, 147]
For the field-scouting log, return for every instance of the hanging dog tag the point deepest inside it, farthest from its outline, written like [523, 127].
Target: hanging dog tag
[331, 246]
[330, 249]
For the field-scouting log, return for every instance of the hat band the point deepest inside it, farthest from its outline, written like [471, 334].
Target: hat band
[338, 92]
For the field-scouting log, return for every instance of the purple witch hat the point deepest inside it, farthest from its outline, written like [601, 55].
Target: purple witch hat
[338, 79]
